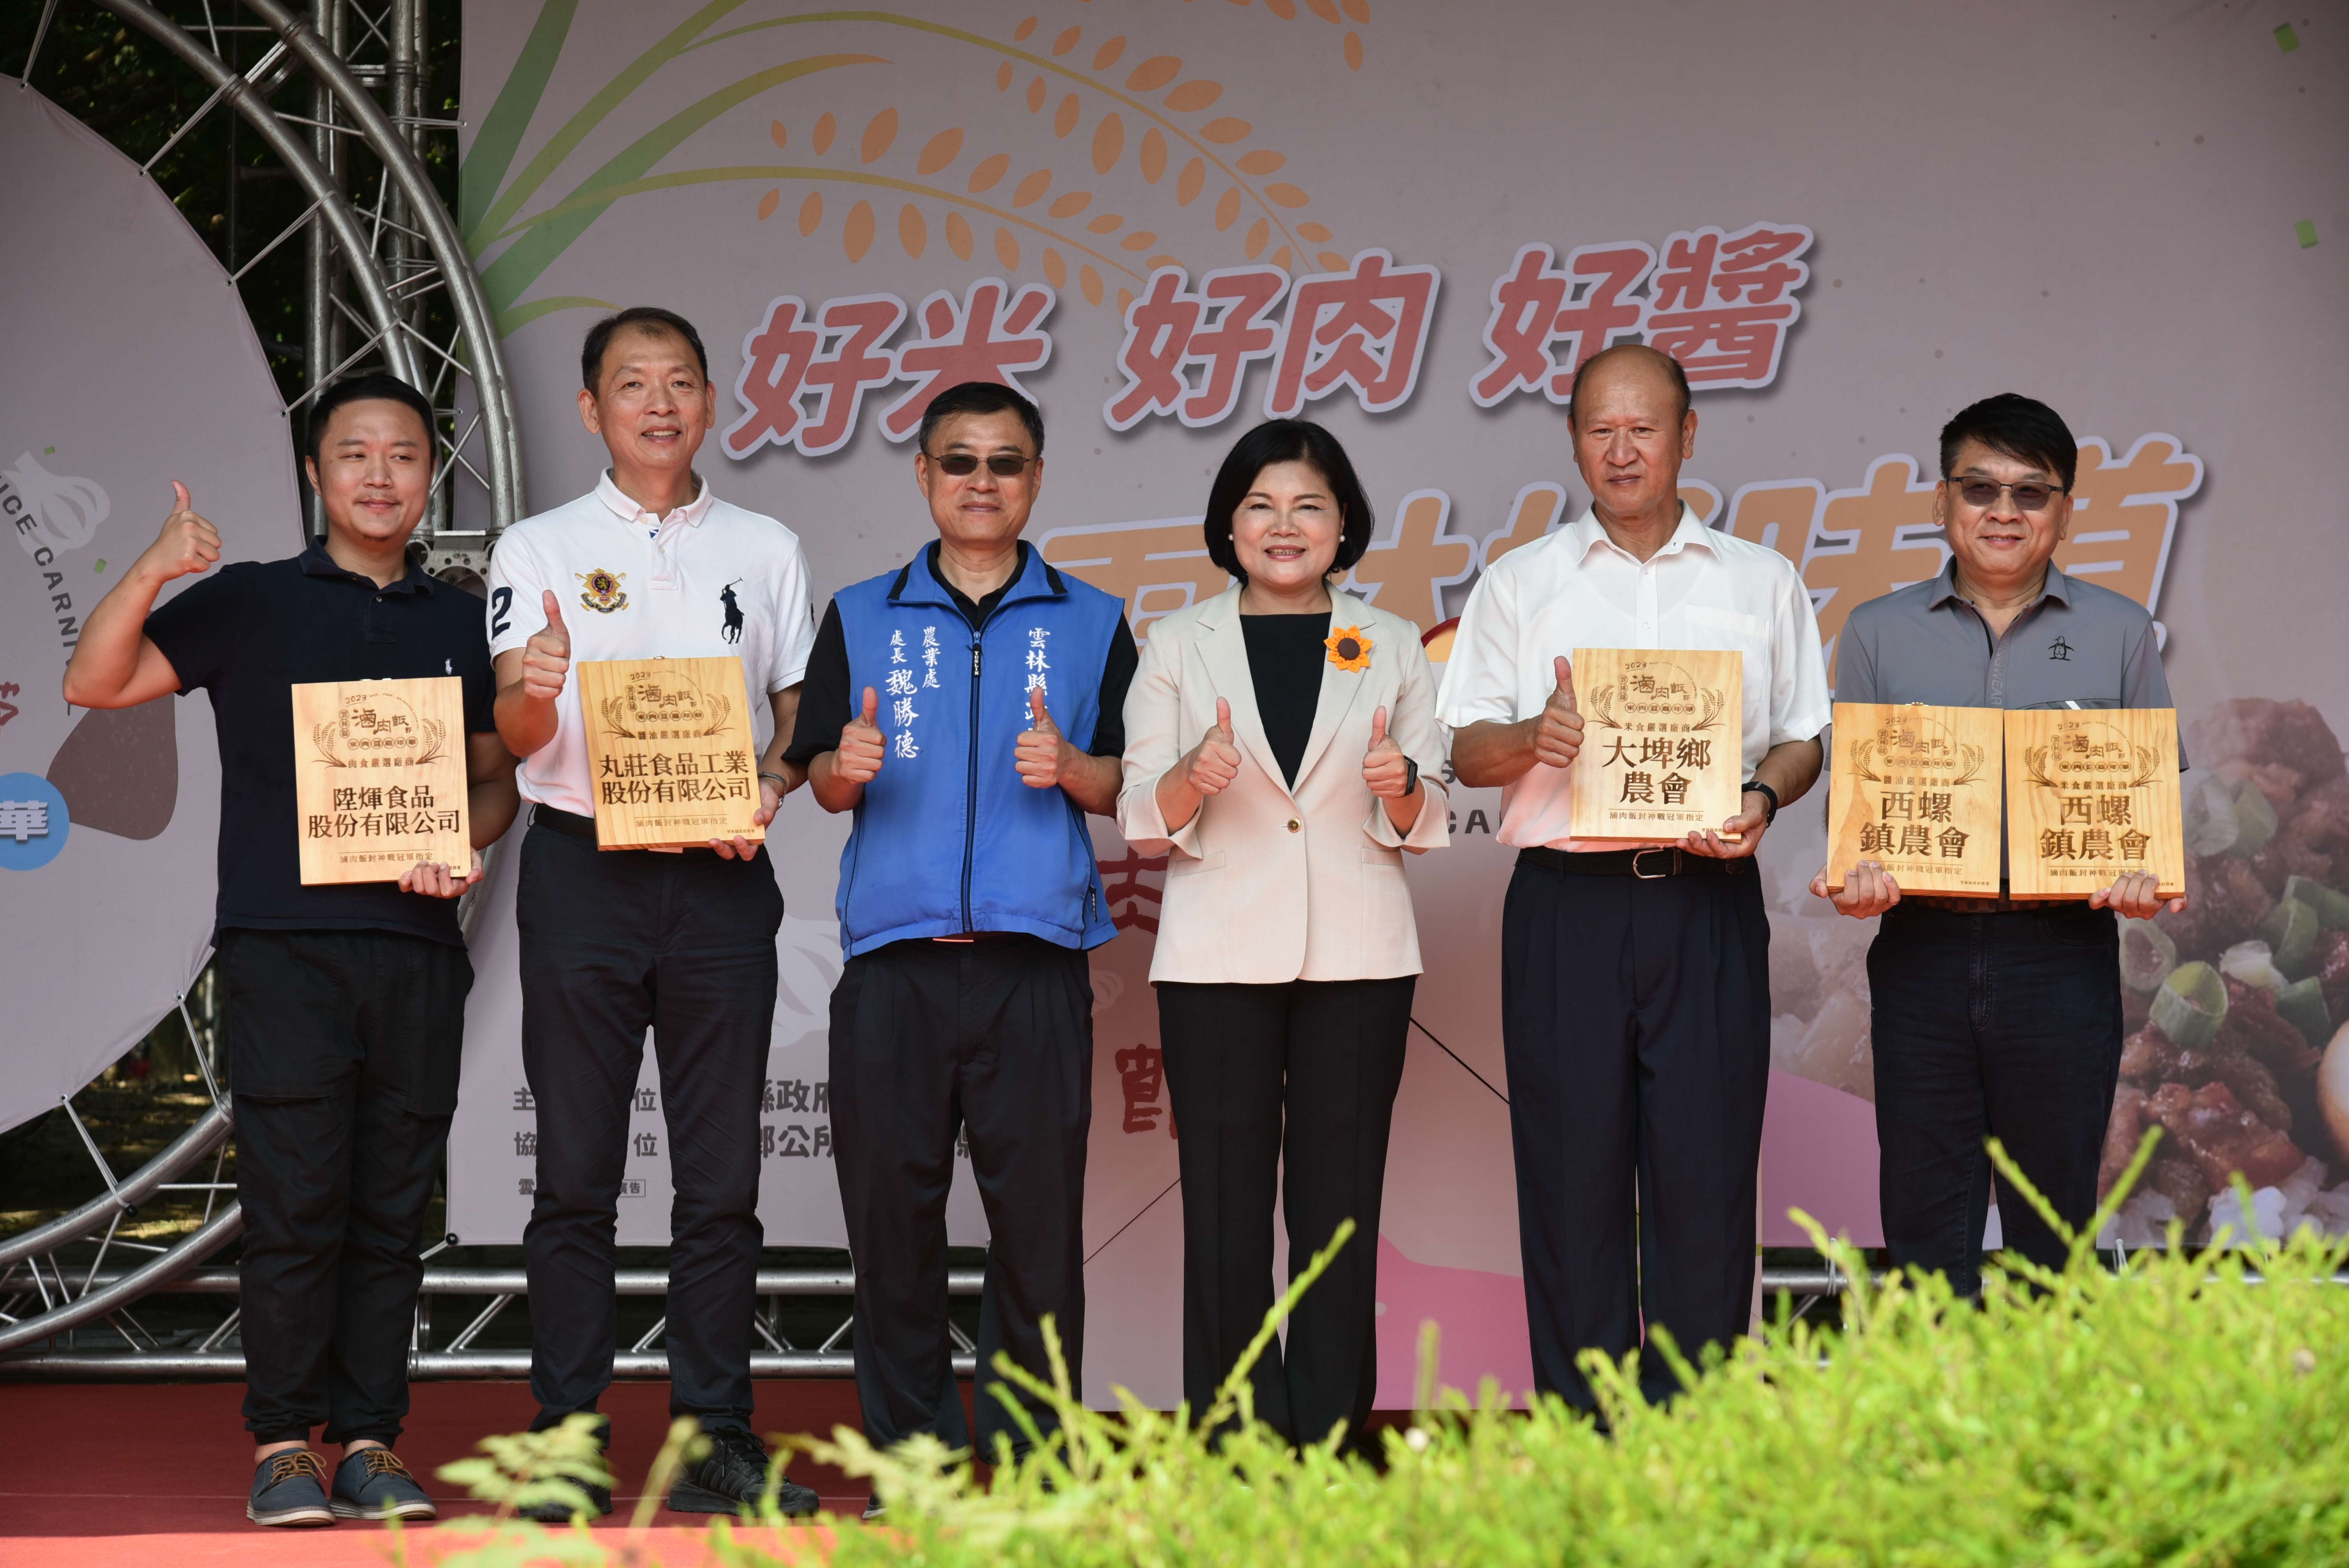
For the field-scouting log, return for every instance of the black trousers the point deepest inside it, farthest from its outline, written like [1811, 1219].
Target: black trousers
[993, 1038]
[613, 944]
[1635, 1022]
[2004, 1026]
[1298, 1079]
[344, 1048]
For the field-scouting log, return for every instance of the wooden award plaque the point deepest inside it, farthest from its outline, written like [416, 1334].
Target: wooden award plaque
[379, 778]
[2091, 793]
[1915, 788]
[669, 748]
[1662, 735]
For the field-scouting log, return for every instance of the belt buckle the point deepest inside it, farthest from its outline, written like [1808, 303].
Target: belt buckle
[1672, 850]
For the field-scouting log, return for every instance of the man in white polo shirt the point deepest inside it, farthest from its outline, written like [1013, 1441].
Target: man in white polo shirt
[1635, 984]
[648, 563]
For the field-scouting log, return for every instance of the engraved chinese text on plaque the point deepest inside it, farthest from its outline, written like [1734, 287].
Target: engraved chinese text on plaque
[379, 778]
[670, 752]
[1662, 739]
[1915, 788]
[2091, 793]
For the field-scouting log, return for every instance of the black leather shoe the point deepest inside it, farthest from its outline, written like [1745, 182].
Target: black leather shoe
[599, 1503]
[732, 1476]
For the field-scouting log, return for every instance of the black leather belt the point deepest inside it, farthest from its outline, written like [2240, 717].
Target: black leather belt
[2051, 909]
[1650, 864]
[2002, 905]
[571, 824]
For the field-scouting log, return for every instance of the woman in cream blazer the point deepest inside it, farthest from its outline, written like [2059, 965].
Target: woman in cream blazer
[1282, 749]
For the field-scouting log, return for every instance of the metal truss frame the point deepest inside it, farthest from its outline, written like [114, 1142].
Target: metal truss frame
[375, 259]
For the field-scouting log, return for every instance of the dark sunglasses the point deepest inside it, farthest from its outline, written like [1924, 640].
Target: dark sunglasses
[1980, 493]
[962, 465]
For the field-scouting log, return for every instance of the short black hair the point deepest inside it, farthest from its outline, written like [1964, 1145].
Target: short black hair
[1287, 441]
[374, 387]
[2017, 427]
[980, 398]
[1672, 368]
[644, 317]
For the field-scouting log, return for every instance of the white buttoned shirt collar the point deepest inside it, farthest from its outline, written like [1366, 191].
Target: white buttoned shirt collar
[665, 528]
[1577, 588]
[709, 579]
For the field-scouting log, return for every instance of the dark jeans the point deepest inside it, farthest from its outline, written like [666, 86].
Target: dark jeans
[993, 1038]
[344, 1048]
[2002, 1026]
[615, 943]
[1292, 1085]
[1635, 1024]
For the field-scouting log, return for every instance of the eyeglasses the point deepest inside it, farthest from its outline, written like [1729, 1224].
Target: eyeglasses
[962, 465]
[1983, 493]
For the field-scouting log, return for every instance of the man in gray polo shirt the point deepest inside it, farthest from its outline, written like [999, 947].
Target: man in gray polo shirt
[1993, 1019]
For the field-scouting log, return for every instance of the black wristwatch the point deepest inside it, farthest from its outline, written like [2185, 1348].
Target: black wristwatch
[1409, 777]
[1755, 787]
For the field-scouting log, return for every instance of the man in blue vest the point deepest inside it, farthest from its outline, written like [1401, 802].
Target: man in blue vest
[988, 719]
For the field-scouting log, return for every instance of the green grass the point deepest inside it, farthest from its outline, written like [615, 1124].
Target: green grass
[2191, 1409]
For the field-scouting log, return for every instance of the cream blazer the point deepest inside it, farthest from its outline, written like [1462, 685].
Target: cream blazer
[1264, 884]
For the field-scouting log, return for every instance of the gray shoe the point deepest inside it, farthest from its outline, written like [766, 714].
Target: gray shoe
[289, 1489]
[732, 1476]
[373, 1484]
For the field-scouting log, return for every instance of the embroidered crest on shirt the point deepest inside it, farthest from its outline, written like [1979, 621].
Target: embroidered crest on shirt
[600, 590]
[2060, 649]
[732, 629]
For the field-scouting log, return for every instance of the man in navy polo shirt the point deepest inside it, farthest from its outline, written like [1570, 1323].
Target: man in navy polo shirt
[987, 720]
[344, 1005]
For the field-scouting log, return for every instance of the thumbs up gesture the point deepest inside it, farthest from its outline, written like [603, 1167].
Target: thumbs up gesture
[1384, 767]
[187, 542]
[1557, 735]
[546, 657]
[1042, 749]
[1215, 762]
[857, 759]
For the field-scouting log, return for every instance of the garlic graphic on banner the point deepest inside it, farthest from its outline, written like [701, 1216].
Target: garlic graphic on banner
[66, 510]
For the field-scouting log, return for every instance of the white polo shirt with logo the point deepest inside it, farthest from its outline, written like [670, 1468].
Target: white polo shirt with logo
[709, 580]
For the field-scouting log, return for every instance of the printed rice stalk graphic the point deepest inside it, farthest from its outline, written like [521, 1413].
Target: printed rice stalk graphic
[491, 208]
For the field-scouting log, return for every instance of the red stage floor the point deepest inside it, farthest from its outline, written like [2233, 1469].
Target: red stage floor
[145, 1476]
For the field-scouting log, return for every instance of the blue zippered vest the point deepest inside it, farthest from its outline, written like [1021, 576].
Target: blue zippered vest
[948, 838]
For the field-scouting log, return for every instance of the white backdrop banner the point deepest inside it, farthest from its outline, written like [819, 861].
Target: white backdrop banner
[132, 363]
[1411, 221]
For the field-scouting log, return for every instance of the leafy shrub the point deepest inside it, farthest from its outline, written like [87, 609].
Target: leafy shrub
[2188, 1407]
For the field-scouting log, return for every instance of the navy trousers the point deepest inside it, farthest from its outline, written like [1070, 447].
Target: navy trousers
[614, 943]
[1635, 1021]
[990, 1039]
[2005, 1026]
[344, 1048]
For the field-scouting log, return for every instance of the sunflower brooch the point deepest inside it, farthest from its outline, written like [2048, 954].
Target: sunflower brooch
[1349, 649]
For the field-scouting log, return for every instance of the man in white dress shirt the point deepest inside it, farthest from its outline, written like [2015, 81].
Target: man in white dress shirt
[649, 563]
[1635, 983]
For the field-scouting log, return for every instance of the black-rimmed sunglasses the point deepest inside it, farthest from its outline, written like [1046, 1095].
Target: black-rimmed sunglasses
[1002, 465]
[1980, 494]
